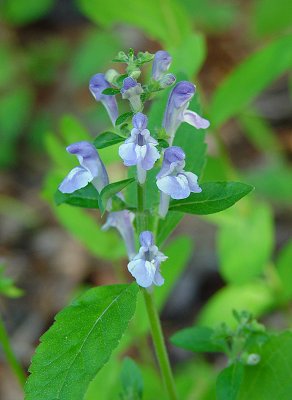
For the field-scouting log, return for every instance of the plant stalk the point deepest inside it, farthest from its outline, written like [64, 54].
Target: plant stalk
[155, 325]
[159, 345]
[10, 356]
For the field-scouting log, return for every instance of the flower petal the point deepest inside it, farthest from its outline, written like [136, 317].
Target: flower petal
[161, 63]
[158, 279]
[150, 157]
[128, 154]
[196, 120]
[77, 178]
[176, 187]
[146, 239]
[193, 182]
[140, 121]
[143, 271]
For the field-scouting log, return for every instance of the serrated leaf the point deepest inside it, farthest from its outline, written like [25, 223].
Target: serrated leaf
[86, 197]
[107, 139]
[270, 379]
[132, 380]
[110, 190]
[229, 382]
[80, 342]
[215, 197]
[198, 339]
[123, 118]
[110, 91]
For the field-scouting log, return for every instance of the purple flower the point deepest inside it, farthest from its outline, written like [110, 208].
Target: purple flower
[145, 266]
[176, 110]
[139, 149]
[173, 181]
[161, 63]
[97, 85]
[123, 222]
[131, 91]
[91, 169]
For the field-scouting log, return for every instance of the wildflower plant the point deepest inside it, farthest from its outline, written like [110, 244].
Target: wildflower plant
[164, 182]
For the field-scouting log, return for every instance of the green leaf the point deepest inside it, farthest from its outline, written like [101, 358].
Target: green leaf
[107, 139]
[215, 197]
[270, 16]
[110, 91]
[249, 79]
[166, 226]
[110, 190]
[284, 267]
[254, 297]
[169, 25]
[86, 197]
[123, 118]
[80, 342]
[132, 380]
[270, 379]
[20, 13]
[250, 235]
[198, 339]
[229, 382]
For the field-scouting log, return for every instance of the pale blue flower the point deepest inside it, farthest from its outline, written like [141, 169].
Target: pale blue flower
[176, 110]
[91, 169]
[139, 149]
[97, 85]
[123, 222]
[132, 90]
[145, 266]
[173, 181]
[161, 63]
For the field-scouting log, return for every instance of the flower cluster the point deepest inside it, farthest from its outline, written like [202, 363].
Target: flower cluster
[140, 149]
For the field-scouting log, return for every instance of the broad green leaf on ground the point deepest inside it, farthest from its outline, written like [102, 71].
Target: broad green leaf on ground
[107, 139]
[132, 380]
[215, 197]
[198, 339]
[19, 13]
[254, 297]
[86, 197]
[190, 56]
[229, 382]
[112, 189]
[270, 17]
[284, 268]
[245, 245]
[80, 342]
[272, 182]
[247, 80]
[92, 55]
[169, 22]
[270, 379]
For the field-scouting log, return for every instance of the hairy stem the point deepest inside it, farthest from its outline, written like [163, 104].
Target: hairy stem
[10, 356]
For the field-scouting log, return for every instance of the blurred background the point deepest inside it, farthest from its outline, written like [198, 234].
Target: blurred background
[239, 54]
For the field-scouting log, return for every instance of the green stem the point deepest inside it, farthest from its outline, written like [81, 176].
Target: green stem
[159, 344]
[10, 356]
[156, 330]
